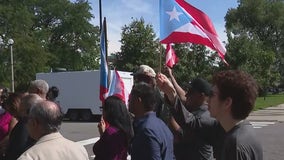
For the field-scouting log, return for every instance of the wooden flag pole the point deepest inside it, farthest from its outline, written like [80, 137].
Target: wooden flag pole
[160, 64]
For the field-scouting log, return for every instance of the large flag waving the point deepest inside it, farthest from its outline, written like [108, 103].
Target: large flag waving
[181, 22]
[171, 58]
[116, 87]
[103, 67]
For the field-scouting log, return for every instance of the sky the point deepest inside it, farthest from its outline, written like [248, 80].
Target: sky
[122, 12]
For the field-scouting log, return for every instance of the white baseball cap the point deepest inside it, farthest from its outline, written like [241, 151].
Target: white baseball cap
[146, 70]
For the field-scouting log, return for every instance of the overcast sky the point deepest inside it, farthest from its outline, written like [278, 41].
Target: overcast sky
[120, 12]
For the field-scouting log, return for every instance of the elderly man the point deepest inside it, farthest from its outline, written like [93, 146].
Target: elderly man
[39, 87]
[44, 122]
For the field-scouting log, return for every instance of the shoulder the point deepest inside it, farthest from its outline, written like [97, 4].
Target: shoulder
[26, 156]
[112, 134]
[156, 127]
[5, 118]
[242, 135]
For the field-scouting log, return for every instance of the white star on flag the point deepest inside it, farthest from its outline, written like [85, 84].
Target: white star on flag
[174, 14]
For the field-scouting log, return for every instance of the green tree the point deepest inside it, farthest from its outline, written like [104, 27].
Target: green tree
[29, 57]
[138, 46]
[255, 32]
[246, 54]
[194, 61]
[71, 38]
[47, 34]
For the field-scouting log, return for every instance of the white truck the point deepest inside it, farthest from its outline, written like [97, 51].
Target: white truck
[79, 92]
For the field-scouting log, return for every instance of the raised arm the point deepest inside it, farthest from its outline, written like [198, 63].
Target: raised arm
[180, 92]
[165, 85]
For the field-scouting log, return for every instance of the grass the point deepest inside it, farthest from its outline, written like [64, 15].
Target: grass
[268, 101]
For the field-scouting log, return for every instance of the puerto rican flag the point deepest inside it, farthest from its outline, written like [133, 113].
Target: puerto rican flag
[181, 22]
[117, 88]
[103, 68]
[171, 57]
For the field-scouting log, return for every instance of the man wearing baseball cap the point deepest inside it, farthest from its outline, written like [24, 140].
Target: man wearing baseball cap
[189, 144]
[147, 74]
[197, 94]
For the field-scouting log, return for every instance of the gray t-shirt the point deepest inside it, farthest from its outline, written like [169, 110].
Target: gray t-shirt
[237, 144]
[240, 144]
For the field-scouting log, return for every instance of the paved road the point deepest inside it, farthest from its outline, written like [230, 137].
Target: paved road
[269, 114]
[271, 138]
[268, 123]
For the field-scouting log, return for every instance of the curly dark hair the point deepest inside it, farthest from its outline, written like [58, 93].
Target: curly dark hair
[241, 87]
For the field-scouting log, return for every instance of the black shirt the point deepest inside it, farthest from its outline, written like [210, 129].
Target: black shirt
[19, 141]
[191, 144]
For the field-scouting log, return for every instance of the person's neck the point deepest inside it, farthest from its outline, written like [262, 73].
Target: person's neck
[142, 114]
[229, 123]
[42, 134]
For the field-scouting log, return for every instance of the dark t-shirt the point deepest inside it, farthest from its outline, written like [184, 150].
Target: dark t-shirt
[240, 144]
[191, 144]
[19, 141]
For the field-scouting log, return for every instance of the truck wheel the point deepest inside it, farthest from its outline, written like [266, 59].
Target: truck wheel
[86, 115]
[73, 116]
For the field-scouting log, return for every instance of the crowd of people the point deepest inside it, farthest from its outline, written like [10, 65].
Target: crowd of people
[200, 121]
[30, 123]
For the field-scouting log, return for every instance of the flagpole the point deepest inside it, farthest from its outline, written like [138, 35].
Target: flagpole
[100, 10]
[105, 29]
[160, 64]
[109, 69]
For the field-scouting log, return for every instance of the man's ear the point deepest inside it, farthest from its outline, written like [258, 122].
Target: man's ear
[228, 102]
[34, 122]
[39, 91]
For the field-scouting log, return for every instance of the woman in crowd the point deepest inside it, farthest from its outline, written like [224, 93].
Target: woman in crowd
[10, 103]
[115, 129]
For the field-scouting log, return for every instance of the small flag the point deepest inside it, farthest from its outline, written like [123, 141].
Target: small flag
[171, 58]
[181, 22]
[103, 68]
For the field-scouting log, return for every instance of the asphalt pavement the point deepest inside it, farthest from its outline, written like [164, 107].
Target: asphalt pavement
[270, 135]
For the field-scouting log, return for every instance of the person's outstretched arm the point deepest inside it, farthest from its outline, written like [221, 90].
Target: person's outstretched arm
[165, 85]
[180, 92]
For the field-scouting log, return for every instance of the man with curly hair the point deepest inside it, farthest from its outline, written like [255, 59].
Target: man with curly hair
[232, 99]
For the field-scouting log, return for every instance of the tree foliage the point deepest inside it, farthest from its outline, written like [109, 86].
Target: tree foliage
[138, 46]
[47, 34]
[255, 32]
[194, 61]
